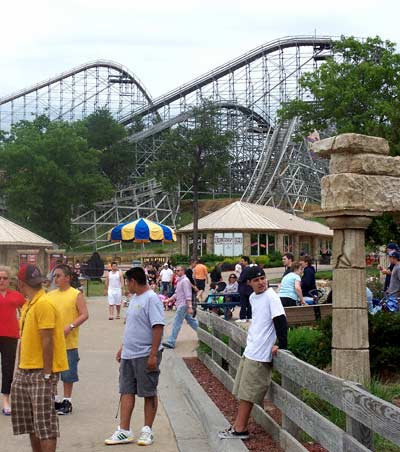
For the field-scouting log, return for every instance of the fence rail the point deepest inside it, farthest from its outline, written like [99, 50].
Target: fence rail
[365, 413]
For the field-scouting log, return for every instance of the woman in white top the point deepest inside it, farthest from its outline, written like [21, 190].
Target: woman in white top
[232, 286]
[113, 289]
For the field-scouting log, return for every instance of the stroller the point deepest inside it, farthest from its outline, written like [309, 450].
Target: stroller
[388, 303]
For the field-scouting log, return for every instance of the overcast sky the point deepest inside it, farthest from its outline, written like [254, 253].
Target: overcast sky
[167, 42]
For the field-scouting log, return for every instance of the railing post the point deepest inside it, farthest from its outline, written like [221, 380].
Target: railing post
[359, 431]
[238, 349]
[215, 356]
[288, 424]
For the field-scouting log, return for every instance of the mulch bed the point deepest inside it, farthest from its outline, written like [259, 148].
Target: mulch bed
[259, 441]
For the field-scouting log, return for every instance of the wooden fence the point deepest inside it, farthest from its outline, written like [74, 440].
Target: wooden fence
[365, 413]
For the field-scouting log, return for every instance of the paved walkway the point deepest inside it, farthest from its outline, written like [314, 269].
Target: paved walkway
[95, 397]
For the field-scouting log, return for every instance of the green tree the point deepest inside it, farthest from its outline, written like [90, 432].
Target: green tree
[117, 156]
[194, 154]
[49, 169]
[357, 91]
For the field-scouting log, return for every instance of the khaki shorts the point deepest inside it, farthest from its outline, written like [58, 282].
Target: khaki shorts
[32, 404]
[252, 380]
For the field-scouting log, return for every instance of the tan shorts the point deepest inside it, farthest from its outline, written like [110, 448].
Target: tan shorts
[32, 404]
[252, 380]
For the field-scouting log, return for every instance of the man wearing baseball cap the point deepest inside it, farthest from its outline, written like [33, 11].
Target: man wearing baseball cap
[387, 272]
[254, 374]
[42, 356]
[393, 291]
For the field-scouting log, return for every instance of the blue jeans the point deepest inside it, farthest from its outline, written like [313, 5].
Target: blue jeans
[181, 314]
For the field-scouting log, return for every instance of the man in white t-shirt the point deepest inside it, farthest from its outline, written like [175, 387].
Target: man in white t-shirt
[166, 275]
[254, 374]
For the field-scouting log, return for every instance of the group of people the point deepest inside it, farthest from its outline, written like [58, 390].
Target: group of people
[298, 285]
[391, 286]
[142, 346]
[49, 326]
[49, 335]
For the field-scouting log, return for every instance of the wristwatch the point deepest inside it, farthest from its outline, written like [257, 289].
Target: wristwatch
[72, 326]
[46, 376]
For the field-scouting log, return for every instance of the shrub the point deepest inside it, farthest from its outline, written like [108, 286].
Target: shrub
[228, 264]
[376, 287]
[384, 333]
[179, 259]
[262, 261]
[211, 258]
[308, 344]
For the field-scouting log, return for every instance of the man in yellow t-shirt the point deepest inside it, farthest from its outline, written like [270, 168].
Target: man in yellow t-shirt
[71, 303]
[42, 356]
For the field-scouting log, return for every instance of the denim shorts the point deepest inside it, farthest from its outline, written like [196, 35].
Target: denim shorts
[136, 378]
[71, 375]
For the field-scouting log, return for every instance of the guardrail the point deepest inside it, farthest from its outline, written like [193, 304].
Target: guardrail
[365, 413]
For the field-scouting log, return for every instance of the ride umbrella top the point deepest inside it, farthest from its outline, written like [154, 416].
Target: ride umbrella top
[142, 231]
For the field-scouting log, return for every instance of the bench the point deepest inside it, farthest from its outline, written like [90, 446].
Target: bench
[307, 315]
[226, 306]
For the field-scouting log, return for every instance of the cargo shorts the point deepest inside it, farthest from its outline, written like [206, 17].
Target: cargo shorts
[252, 381]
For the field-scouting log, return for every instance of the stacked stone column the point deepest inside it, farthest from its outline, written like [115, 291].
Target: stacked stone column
[363, 182]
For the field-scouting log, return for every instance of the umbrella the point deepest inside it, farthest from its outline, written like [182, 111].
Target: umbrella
[142, 231]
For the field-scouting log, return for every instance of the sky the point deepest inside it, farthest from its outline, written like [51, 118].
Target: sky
[167, 42]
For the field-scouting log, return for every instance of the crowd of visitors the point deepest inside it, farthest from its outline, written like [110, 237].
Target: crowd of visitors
[49, 334]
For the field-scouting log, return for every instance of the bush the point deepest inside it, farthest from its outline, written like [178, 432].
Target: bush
[384, 333]
[262, 261]
[274, 259]
[211, 258]
[376, 287]
[179, 259]
[308, 344]
[228, 264]
[314, 345]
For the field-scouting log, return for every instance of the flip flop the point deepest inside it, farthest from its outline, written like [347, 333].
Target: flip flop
[6, 411]
[118, 317]
[111, 318]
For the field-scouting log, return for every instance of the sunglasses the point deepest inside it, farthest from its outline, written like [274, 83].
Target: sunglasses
[5, 278]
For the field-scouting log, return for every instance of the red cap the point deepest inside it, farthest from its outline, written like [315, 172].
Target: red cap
[30, 274]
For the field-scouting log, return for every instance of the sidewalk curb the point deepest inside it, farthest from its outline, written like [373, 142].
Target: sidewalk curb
[185, 403]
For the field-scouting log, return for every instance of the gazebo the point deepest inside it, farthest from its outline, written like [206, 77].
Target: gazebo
[253, 229]
[19, 245]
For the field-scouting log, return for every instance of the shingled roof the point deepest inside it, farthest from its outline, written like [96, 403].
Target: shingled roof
[243, 216]
[13, 234]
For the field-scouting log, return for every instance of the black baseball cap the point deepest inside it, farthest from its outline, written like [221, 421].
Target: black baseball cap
[254, 272]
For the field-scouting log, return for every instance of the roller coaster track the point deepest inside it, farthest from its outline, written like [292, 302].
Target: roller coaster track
[320, 43]
[75, 93]
[266, 166]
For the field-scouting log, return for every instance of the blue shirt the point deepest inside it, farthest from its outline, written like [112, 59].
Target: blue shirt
[287, 286]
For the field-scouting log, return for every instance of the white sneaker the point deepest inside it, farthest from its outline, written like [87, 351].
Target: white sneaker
[146, 437]
[120, 437]
[240, 321]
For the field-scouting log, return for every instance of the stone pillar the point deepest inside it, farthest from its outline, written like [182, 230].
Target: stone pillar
[183, 238]
[279, 242]
[296, 246]
[210, 243]
[350, 346]
[315, 249]
[246, 243]
[364, 181]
